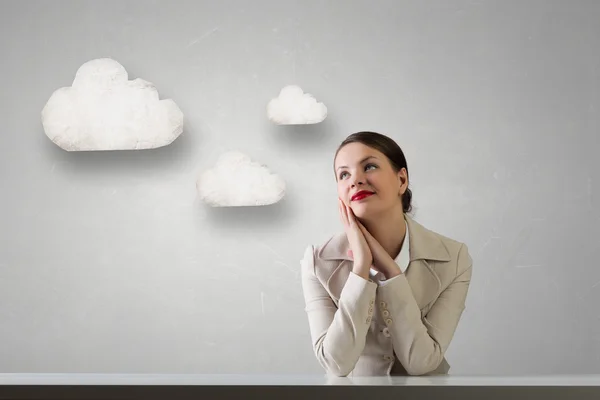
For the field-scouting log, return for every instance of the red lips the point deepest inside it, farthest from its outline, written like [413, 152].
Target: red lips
[361, 195]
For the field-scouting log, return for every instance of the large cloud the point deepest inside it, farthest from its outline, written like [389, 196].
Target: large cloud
[236, 180]
[294, 107]
[103, 110]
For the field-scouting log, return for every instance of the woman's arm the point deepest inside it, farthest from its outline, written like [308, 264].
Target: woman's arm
[338, 334]
[420, 344]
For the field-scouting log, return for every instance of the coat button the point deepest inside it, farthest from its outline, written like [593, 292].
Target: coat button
[386, 313]
[386, 332]
[388, 321]
[387, 358]
[382, 304]
[368, 320]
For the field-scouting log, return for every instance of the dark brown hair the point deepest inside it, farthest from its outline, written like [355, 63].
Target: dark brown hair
[390, 149]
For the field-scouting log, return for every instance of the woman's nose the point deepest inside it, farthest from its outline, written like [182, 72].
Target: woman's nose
[357, 181]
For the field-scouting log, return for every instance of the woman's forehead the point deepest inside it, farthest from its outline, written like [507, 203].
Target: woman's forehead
[355, 153]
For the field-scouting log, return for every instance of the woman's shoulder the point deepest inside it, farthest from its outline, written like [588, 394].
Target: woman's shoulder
[326, 256]
[449, 242]
[447, 248]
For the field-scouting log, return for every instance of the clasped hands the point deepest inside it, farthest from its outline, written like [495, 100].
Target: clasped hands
[365, 250]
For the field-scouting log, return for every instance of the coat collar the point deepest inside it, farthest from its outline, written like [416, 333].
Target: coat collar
[424, 245]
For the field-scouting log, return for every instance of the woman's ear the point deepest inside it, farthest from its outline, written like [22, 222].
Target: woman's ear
[403, 180]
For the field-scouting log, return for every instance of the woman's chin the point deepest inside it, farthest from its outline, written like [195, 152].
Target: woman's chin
[361, 210]
[365, 211]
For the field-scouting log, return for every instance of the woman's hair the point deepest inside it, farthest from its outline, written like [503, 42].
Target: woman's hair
[390, 149]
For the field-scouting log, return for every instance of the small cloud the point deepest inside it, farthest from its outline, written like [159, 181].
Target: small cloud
[294, 107]
[237, 181]
[103, 110]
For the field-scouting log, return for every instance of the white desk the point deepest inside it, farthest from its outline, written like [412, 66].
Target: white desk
[289, 387]
[293, 380]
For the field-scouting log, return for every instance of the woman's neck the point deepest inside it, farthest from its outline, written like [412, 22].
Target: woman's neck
[389, 230]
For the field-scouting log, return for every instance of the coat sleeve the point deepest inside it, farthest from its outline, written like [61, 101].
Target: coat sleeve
[338, 333]
[420, 344]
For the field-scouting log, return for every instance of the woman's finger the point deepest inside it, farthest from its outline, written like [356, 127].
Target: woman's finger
[343, 213]
[365, 232]
[361, 226]
[351, 216]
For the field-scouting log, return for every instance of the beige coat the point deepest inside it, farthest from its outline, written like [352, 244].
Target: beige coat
[401, 328]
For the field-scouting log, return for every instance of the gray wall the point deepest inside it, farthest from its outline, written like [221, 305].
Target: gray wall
[109, 262]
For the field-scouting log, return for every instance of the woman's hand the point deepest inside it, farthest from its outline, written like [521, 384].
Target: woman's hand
[382, 261]
[363, 259]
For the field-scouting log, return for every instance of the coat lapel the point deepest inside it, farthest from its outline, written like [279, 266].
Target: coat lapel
[337, 264]
[426, 248]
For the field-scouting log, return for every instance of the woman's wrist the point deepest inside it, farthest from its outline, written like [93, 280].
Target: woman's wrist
[391, 270]
[392, 273]
[361, 270]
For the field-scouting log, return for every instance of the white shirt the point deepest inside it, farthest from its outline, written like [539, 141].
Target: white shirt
[403, 259]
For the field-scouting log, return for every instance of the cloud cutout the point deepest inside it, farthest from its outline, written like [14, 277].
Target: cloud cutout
[294, 107]
[103, 110]
[237, 181]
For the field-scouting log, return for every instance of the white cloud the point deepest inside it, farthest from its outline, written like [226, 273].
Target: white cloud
[103, 110]
[294, 107]
[237, 181]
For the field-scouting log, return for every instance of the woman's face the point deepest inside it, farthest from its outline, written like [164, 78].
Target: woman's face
[360, 168]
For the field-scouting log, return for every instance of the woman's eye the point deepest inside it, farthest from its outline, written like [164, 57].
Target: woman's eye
[367, 167]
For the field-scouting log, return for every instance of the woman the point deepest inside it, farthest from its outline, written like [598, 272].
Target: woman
[384, 297]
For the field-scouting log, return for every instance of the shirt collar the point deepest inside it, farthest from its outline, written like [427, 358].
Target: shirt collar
[402, 259]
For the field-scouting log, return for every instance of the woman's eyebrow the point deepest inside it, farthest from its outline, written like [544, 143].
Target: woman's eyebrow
[361, 161]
